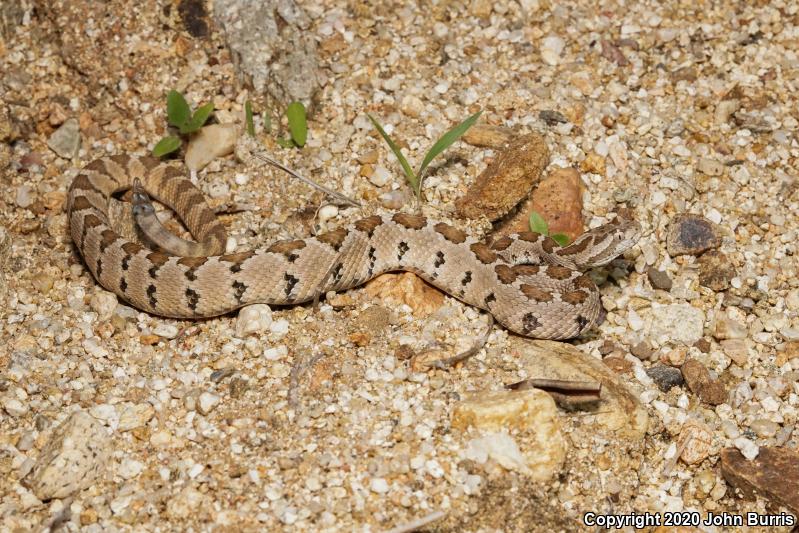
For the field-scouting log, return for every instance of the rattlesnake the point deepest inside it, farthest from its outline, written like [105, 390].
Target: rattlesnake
[526, 281]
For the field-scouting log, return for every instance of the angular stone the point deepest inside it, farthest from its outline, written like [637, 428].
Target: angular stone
[665, 377]
[677, 323]
[507, 180]
[691, 235]
[65, 141]
[715, 271]
[659, 279]
[773, 474]
[698, 379]
[72, 459]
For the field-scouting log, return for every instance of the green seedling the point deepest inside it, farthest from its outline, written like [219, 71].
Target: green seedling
[415, 178]
[539, 225]
[298, 126]
[180, 116]
[248, 118]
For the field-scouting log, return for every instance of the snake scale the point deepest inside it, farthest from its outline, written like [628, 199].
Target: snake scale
[527, 281]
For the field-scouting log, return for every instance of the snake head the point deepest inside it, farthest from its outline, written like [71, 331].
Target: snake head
[602, 245]
[142, 204]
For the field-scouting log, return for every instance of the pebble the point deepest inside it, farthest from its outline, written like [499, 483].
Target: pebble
[691, 235]
[378, 485]
[747, 447]
[764, 428]
[677, 323]
[551, 49]
[24, 196]
[256, 318]
[166, 331]
[709, 166]
[130, 468]
[659, 279]
[730, 325]
[642, 350]
[695, 440]
[716, 271]
[103, 303]
[698, 379]
[14, 407]
[737, 350]
[665, 377]
[215, 140]
[132, 416]
[72, 459]
[380, 177]
[207, 402]
[327, 212]
[65, 141]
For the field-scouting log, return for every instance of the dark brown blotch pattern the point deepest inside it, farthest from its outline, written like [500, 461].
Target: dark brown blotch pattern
[410, 221]
[369, 224]
[453, 235]
[333, 238]
[574, 297]
[536, 294]
[483, 253]
[559, 272]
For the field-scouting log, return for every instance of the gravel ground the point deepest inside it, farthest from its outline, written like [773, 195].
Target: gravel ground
[326, 419]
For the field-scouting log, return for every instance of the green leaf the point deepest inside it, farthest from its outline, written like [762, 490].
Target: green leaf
[298, 126]
[561, 238]
[198, 119]
[248, 118]
[167, 145]
[413, 180]
[538, 224]
[178, 111]
[447, 139]
[286, 143]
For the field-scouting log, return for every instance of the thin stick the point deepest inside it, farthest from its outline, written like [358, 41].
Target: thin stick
[476, 347]
[340, 197]
[565, 393]
[418, 523]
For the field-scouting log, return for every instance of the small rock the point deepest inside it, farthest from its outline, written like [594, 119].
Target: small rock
[488, 136]
[691, 235]
[764, 428]
[695, 440]
[132, 416]
[552, 117]
[675, 357]
[753, 123]
[207, 402]
[380, 177]
[327, 212]
[167, 331]
[73, 457]
[737, 350]
[703, 345]
[378, 485]
[24, 196]
[716, 271]
[659, 279]
[65, 141]
[665, 377]
[642, 350]
[749, 449]
[130, 468]
[730, 325]
[406, 288]
[698, 379]
[711, 167]
[551, 49]
[14, 407]
[757, 476]
[210, 142]
[256, 318]
[677, 323]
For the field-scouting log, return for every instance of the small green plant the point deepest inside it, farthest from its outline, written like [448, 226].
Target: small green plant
[248, 118]
[298, 126]
[415, 179]
[539, 225]
[179, 115]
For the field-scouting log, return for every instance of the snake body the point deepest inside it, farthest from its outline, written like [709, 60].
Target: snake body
[526, 281]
